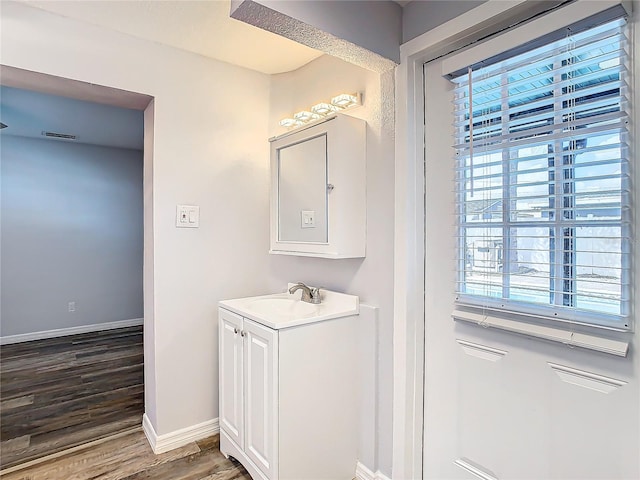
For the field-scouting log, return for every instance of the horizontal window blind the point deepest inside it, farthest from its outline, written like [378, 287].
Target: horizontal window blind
[543, 185]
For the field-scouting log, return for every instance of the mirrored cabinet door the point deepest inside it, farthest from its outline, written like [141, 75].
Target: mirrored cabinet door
[302, 191]
[318, 189]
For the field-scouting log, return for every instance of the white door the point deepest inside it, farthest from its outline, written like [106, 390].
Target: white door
[231, 375]
[261, 396]
[499, 405]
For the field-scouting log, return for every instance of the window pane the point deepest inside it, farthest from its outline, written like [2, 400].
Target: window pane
[483, 262]
[530, 269]
[483, 188]
[531, 203]
[599, 267]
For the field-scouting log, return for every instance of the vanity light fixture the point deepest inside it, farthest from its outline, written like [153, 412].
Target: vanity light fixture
[319, 110]
[305, 116]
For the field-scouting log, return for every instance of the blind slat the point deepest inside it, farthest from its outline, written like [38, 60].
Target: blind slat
[608, 76]
[560, 130]
[462, 121]
[497, 144]
[513, 162]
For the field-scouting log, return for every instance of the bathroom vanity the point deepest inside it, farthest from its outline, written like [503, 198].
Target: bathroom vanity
[288, 385]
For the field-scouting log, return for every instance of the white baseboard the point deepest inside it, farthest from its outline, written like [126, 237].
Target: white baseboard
[179, 438]
[363, 473]
[62, 332]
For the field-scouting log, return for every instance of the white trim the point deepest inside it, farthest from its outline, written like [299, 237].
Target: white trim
[585, 379]
[62, 332]
[408, 329]
[481, 351]
[363, 473]
[178, 438]
[474, 469]
[546, 332]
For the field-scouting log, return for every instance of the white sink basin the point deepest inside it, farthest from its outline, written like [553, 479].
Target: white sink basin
[281, 306]
[283, 310]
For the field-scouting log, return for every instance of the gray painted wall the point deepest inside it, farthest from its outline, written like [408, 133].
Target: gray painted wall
[420, 16]
[71, 231]
[374, 25]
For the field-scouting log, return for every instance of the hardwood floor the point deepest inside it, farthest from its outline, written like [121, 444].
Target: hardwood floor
[62, 392]
[129, 457]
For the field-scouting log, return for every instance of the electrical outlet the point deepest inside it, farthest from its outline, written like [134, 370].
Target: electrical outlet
[72, 306]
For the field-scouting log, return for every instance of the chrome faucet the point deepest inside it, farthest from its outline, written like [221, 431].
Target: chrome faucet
[309, 294]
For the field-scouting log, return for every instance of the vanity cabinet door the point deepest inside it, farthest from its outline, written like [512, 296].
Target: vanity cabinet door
[261, 396]
[231, 376]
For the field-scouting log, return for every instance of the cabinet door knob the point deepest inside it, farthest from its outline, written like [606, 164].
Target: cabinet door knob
[242, 333]
[235, 330]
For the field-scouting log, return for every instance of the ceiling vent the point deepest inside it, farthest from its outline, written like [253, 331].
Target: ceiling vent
[65, 136]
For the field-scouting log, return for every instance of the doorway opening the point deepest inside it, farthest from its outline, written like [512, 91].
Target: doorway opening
[73, 244]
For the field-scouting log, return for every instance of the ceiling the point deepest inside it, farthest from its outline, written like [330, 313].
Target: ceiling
[28, 114]
[202, 27]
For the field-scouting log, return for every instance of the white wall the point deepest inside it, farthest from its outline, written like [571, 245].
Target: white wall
[421, 16]
[209, 149]
[71, 232]
[372, 277]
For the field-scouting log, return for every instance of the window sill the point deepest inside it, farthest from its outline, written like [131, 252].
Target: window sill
[570, 338]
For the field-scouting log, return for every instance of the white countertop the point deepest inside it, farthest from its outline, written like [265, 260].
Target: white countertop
[284, 310]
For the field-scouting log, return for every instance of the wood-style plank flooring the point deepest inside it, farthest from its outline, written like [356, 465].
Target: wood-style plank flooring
[62, 392]
[129, 457]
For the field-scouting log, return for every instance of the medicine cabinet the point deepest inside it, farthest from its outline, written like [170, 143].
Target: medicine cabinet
[318, 189]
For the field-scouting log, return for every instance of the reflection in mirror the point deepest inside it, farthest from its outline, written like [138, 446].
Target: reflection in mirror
[302, 191]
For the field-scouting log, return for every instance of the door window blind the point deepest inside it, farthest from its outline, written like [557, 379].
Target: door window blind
[543, 188]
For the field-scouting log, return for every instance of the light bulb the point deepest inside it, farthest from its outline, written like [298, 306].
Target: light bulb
[324, 109]
[305, 116]
[345, 100]
[288, 122]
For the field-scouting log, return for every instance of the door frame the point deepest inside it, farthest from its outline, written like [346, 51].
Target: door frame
[410, 230]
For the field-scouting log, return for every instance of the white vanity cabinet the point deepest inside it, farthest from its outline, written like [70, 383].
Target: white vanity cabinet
[318, 189]
[248, 389]
[288, 397]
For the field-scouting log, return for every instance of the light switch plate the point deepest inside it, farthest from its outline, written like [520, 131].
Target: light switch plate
[307, 219]
[187, 216]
